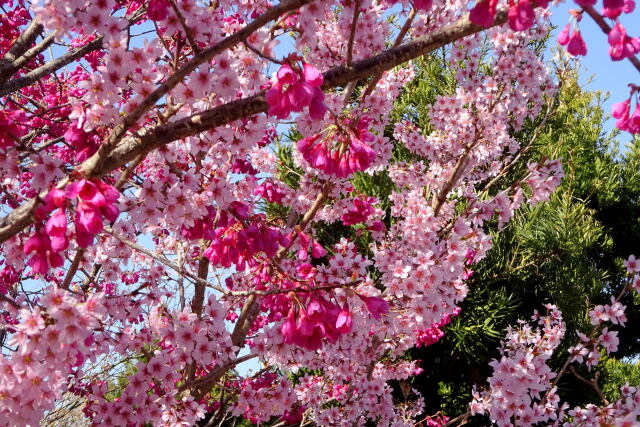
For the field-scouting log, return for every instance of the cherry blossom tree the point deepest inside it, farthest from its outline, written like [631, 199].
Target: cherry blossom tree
[136, 142]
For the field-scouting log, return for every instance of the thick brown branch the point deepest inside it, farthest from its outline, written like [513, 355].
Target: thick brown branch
[95, 162]
[19, 47]
[203, 272]
[27, 56]
[216, 373]
[73, 269]
[255, 104]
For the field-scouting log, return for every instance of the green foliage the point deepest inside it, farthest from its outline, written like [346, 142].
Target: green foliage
[566, 251]
[615, 374]
[478, 330]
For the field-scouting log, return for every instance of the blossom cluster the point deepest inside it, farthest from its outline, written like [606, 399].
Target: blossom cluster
[153, 240]
[522, 389]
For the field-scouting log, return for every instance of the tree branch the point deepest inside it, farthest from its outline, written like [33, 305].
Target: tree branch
[27, 56]
[95, 161]
[134, 146]
[352, 34]
[50, 67]
[19, 47]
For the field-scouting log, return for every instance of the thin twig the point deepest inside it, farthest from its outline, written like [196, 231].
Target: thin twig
[352, 34]
[187, 30]
[73, 268]
[164, 261]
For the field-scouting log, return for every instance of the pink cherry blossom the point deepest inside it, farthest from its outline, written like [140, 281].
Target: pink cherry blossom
[632, 264]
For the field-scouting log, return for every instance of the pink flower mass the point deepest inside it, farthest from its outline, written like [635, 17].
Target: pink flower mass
[292, 90]
[184, 192]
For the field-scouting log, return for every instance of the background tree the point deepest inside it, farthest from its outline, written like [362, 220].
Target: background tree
[566, 251]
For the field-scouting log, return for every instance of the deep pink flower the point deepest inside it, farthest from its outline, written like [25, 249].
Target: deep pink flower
[620, 111]
[88, 219]
[625, 6]
[521, 16]
[377, 226]
[43, 254]
[342, 151]
[344, 321]
[359, 212]
[376, 306]
[202, 227]
[620, 44]
[483, 12]
[576, 45]
[634, 121]
[317, 250]
[158, 9]
[82, 142]
[56, 198]
[294, 89]
[564, 35]
[270, 192]
[233, 244]
[423, 4]
[612, 4]
[288, 328]
[56, 228]
[319, 320]
[96, 200]
[86, 191]
[626, 121]
[10, 130]
[585, 3]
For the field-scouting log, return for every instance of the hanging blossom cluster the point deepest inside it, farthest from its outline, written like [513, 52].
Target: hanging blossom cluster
[621, 46]
[150, 233]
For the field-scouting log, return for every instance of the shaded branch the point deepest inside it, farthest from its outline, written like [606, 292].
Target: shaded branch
[27, 56]
[19, 47]
[50, 67]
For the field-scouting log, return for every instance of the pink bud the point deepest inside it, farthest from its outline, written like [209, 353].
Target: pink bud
[576, 45]
[563, 37]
